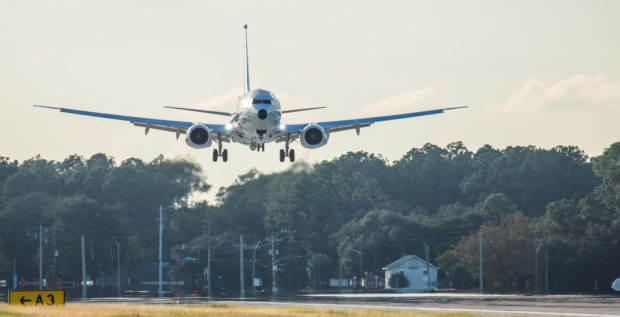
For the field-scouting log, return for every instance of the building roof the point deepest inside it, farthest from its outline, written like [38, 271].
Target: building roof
[405, 259]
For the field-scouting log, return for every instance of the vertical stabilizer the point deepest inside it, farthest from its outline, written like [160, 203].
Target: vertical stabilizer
[247, 66]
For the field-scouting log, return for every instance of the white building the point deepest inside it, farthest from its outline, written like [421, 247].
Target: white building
[414, 269]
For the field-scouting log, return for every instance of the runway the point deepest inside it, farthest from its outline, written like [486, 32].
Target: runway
[524, 305]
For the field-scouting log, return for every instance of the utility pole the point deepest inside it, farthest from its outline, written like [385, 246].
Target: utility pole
[241, 266]
[254, 267]
[40, 256]
[480, 260]
[290, 259]
[340, 272]
[536, 268]
[547, 267]
[274, 285]
[288, 266]
[14, 284]
[242, 246]
[428, 272]
[209, 273]
[274, 265]
[161, 230]
[317, 269]
[208, 255]
[118, 267]
[54, 258]
[361, 269]
[83, 268]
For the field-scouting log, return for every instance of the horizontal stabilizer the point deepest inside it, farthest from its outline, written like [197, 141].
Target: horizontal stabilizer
[221, 113]
[302, 109]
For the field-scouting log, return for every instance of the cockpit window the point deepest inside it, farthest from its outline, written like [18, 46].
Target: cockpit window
[263, 101]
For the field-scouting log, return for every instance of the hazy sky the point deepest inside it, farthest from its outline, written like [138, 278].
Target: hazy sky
[541, 73]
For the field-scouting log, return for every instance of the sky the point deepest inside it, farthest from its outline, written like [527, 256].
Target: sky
[541, 73]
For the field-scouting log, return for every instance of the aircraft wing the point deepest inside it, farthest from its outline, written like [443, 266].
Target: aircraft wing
[341, 125]
[147, 123]
[220, 113]
[302, 109]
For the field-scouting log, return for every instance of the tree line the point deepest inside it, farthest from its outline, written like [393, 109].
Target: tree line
[522, 198]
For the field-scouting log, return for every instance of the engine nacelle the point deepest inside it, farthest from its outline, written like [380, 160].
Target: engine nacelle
[198, 136]
[313, 136]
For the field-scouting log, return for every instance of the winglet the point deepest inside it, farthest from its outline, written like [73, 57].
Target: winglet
[453, 108]
[247, 67]
[48, 107]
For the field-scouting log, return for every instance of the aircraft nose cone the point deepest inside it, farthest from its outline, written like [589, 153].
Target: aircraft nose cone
[262, 114]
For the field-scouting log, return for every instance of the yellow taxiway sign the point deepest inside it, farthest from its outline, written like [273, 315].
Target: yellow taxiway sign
[37, 298]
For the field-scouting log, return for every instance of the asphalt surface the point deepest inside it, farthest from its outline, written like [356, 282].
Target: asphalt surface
[514, 305]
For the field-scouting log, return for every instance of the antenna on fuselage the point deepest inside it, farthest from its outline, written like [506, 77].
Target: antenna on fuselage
[247, 66]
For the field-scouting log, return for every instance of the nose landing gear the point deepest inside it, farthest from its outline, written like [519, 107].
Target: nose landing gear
[257, 147]
[286, 152]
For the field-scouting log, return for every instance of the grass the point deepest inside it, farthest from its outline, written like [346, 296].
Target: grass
[218, 310]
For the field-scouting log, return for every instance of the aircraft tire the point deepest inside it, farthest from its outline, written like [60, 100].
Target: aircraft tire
[291, 155]
[282, 154]
[225, 155]
[215, 155]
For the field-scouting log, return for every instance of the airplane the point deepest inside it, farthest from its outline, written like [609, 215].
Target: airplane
[256, 121]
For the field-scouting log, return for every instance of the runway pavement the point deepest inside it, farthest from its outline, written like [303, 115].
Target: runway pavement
[525, 305]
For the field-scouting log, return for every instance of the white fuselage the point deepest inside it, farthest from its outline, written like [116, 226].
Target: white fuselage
[257, 118]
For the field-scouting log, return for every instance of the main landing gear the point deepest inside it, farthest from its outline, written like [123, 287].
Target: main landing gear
[219, 152]
[223, 154]
[290, 154]
[286, 152]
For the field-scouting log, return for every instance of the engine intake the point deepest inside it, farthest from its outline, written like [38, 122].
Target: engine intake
[198, 136]
[313, 136]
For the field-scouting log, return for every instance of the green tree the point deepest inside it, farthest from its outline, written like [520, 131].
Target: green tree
[508, 248]
[430, 176]
[586, 233]
[384, 233]
[19, 228]
[319, 269]
[529, 176]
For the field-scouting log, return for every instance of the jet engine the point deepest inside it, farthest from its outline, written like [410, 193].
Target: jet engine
[198, 136]
[313, 136]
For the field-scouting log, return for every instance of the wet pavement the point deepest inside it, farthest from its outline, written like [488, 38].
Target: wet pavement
[492, 304]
